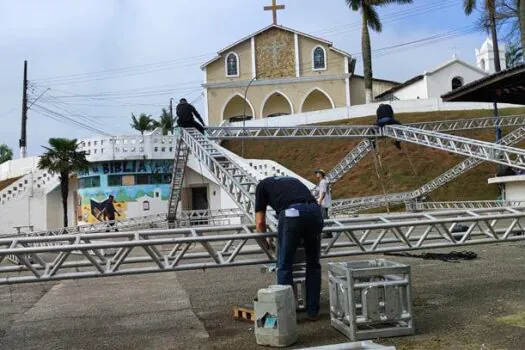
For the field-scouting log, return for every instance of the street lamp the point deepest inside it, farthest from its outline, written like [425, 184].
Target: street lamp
[244, 113]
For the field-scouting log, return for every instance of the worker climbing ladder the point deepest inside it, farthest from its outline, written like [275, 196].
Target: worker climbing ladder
[177, 178]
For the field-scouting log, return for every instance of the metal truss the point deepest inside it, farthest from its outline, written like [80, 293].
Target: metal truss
[424, 206]
[355, 131]
[177, 177]
[349, 161]
[137, 223]
[486, 151]
[362, 203]
[208, 217]
[289, 132]
[470, 124]
[139, 252]
[238, 183]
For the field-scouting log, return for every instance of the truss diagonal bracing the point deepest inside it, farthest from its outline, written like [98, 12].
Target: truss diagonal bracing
[350, 160]
[124, 253]
[487, 151]
[361, 203]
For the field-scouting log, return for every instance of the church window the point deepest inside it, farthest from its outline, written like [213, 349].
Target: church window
[232, 65]
[482, 64]
[319, 58]
[457, 82]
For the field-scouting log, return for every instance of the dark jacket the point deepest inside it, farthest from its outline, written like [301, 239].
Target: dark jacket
[186, 111]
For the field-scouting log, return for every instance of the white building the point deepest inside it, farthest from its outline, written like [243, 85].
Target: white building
[446, 77]
[136, 169]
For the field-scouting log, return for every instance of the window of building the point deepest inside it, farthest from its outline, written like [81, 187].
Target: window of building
[232, 65]
[128, 180]
[89, 182]
[142, 179]
[319, 58]
[457, 82]
[114, 180]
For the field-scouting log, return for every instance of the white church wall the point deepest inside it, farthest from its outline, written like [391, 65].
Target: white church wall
[415, 91]
[360, 111]
[440, 82]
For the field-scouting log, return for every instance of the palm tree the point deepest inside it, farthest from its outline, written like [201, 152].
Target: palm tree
[165, 122]
[490, 12]
[6, 153]
[63, 158]
[513, 55]
[143, 123]
[370, 19]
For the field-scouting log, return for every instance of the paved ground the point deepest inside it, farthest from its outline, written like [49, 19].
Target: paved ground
[463, 305]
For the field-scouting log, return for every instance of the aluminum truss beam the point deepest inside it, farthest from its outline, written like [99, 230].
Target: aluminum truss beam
[355, 204]
[469, 124]
[238, 183]
[424, 206]
[153, 251]
[349, 161]
[355, 131]
[289, 132]
[141, 222]
[486, 151]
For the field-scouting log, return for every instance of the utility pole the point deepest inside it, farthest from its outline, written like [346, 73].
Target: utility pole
[171, 114]
[23, 136]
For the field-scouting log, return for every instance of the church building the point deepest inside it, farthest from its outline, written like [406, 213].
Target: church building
[279, 71]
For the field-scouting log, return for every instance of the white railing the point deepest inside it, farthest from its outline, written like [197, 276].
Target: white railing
[150, 146]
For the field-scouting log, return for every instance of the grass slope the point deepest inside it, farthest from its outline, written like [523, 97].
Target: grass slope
[396, 173]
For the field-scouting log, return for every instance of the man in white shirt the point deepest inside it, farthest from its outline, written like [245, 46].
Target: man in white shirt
[324, 199]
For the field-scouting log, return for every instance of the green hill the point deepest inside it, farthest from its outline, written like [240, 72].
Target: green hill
[396, 173]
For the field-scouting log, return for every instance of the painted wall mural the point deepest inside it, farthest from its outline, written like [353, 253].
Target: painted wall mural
[139, 188]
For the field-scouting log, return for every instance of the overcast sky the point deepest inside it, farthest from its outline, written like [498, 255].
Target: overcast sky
[105, 59]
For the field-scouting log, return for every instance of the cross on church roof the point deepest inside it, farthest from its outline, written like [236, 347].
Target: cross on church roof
[274, 8]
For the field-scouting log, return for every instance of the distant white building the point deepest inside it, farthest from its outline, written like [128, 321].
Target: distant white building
[447, 76]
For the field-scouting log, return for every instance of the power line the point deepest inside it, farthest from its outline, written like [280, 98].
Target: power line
[190, 61]
[62, 118]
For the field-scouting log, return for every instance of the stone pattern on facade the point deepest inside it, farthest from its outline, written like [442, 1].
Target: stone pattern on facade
[275, 54]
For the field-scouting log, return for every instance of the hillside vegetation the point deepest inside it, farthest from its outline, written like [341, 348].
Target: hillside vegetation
[396, 173]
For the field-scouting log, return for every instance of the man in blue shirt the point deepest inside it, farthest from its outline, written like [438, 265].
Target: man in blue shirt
[300, 217]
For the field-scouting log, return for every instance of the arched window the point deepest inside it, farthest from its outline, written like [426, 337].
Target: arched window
[319, 58]
[457, 82]
[482, 64]
[232, 65]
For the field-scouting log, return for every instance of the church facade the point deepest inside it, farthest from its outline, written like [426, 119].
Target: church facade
[278, 71]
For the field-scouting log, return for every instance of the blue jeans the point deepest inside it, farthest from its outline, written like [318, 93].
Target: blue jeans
[308, 226]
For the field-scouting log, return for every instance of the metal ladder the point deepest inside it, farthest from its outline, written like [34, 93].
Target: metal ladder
[177, 177]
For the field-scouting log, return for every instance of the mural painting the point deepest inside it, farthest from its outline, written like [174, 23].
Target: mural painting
[140, 188]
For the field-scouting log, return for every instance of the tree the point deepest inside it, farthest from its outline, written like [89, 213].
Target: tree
[370, 20]
[165, 122]
[513, 55]
[6, 153]
[512, 14]
[143, 123]
[63, 158]
[490, 19]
